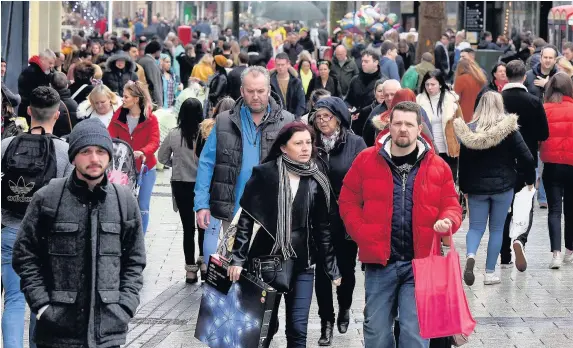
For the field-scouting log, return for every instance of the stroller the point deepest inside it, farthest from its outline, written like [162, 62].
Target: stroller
[123, 170]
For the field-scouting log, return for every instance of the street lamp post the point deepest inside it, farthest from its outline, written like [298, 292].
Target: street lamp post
[110, 16]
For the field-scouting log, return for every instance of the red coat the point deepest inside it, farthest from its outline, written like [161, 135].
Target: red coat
[558, 148]
[145, 136]
[366, 203]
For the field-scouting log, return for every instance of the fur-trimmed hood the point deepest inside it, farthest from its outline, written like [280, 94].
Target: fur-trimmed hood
[129, 63]
[484, 140]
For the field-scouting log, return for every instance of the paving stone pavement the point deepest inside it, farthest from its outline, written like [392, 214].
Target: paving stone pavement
[530, 309]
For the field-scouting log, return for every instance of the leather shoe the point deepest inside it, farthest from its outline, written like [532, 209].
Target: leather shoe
[343, 320]
[326, 332]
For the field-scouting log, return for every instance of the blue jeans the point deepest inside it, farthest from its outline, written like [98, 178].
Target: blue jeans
[481, 208]
[541, 196]
[144, 198]
[211, 239]
[297, 305]
[14, 301]
[390, 289]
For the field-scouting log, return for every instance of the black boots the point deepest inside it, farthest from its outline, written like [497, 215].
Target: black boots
[343, 320]
[326, 331]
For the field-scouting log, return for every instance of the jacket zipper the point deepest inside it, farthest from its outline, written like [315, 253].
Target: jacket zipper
[404, 179]
[308, 230]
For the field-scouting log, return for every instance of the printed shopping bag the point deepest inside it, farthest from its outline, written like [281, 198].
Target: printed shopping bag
[521, 212]
[440, 298]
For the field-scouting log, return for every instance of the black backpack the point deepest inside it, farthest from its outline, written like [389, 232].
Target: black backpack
[29, 164]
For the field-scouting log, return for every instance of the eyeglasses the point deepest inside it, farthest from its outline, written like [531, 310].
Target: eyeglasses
[324, 118]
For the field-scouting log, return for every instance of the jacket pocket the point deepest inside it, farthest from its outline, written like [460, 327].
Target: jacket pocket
[63, 240]
[61, 316]
[109, 239]
[113, 319]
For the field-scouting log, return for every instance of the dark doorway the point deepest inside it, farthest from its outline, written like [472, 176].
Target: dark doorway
[544, 7]
[493, 18]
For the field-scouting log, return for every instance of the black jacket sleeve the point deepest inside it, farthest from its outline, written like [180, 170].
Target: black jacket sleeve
[322, 233]
[542, 127]
[242, 239]
[525, 161]
[27, 257]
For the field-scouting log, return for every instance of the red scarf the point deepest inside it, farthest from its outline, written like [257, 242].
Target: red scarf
[500, 85]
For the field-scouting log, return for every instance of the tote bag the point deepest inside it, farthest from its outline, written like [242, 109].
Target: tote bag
[440, 298]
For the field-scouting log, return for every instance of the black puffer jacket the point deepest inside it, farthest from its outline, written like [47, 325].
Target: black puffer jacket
[116, 79]
[68, 113]
[361, 95]
[217, 87]
[488, 158]
[311, 236]
[30, 78]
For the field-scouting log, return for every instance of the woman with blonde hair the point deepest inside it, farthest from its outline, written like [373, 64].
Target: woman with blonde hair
[102, 103]
[563, 65]
[204, 68]
[490, 147]
[469, 80]
[235, 50]
[135, 124]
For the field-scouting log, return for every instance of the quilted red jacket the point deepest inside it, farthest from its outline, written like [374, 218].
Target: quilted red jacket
[145, 136]
[558, 148]
[366, 203]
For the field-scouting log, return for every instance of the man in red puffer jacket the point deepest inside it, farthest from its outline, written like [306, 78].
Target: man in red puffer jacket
[396, 196]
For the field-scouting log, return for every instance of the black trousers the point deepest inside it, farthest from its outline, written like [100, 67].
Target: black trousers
[346, 251]
[453, 163]
[184, 197]
[558, 182]
[505, 252]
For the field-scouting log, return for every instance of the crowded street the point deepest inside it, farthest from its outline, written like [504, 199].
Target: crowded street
[287, 174]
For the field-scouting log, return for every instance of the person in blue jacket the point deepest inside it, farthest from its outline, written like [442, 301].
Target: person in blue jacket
[388, 66]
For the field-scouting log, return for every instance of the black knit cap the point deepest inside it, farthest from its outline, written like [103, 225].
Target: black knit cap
[90, 132]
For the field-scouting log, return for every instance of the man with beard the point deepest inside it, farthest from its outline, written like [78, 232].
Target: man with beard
[242, 137]
[387, 184]
[80, 251]
[37, 74]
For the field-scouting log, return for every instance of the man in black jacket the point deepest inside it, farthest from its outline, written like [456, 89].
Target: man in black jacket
[234, 77]
[288, 87]
[37, 74]
[343, 67]
[68, 107]
[537, 77]
[441, 55]
[264, 45]
[361, 89]
[534, 128]
[292, 47]
[80, 251]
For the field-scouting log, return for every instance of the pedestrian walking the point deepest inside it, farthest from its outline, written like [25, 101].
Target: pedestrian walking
[337, 149]
[469, 80]
[324, 80]
[120, 69]
[291, 199]
[557, 156]
[102, 103]
[152, 71]
[218, 81]
[44, 106]
[386, 187]
[344, 68]
[37, 74]
[84, 73]
[135, 124]
[68, 107]
[171, 84]
[87, 277]
[497, 82]
[384, 92]
[490, 146]
[178, 151]
[537, 77]
[288, 87]
[221, 179]
[533, 127]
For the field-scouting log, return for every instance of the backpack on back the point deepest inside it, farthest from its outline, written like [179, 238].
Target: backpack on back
[29, 164]
[410, 79]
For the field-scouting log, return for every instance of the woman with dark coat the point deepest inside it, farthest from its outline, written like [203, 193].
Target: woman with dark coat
[120, 69]
[491, 146]
[497, 82]
[187, 61]
[337, 149]
[324, 80]
[290, 198]
[218, 82]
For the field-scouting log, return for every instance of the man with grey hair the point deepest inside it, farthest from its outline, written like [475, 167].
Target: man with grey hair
[343, 67]
[241, 139]
[37, 74]
[389, 89]
[43, 110]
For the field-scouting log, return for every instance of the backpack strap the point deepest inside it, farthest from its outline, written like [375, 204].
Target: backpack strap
[68, 113]
[79, 91]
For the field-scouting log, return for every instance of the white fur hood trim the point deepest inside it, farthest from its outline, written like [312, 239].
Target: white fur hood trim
[486, 139]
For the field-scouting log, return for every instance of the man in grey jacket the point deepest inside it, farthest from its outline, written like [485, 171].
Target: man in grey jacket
[343, 67]
[80, 251]
[152, 71]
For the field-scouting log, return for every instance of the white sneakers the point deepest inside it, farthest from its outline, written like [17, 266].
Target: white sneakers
[556, 262]
[520, 259]
[491, 278]
[568, 257]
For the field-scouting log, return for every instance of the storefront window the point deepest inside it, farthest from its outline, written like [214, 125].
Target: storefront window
[523, 16]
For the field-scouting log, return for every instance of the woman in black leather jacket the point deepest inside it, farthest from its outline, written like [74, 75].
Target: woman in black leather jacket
[218, 82]
[290, 198]
[337, 149]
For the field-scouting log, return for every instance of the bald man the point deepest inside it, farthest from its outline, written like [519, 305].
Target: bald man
[389, 89]
[343, 67]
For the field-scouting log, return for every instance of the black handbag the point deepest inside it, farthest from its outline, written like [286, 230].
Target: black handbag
[275, 271]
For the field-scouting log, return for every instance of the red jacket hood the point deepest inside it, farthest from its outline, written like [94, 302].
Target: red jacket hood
[36, 60]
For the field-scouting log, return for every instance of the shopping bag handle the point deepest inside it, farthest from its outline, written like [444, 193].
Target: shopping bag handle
[438, 236]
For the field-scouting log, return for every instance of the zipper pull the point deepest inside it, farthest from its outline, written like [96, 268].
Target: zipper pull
[404, 178]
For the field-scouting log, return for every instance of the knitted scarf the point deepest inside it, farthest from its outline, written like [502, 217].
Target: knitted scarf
[329, 141]
[285, 199]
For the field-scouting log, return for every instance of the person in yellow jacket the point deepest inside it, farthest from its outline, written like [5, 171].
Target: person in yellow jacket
[204, 68]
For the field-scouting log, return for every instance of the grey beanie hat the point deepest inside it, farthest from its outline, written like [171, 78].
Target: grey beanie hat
[90, 132]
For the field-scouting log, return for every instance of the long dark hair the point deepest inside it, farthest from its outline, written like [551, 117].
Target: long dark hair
[190, 115]
[559, 86]
[494, 70]
[438, 75]
[284, 136]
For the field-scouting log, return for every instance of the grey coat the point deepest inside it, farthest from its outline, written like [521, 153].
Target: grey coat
[230, 153]
[84, 259]
[153, 77]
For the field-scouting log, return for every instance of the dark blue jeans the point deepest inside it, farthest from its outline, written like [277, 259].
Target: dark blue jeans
[297, 303]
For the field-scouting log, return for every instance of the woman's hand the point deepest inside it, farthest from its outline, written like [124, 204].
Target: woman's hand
[443, 226]
[139, 154]
[234, 273]
[337, 282]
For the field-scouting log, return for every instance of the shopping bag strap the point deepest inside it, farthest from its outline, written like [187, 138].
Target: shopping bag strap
[437, 237]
